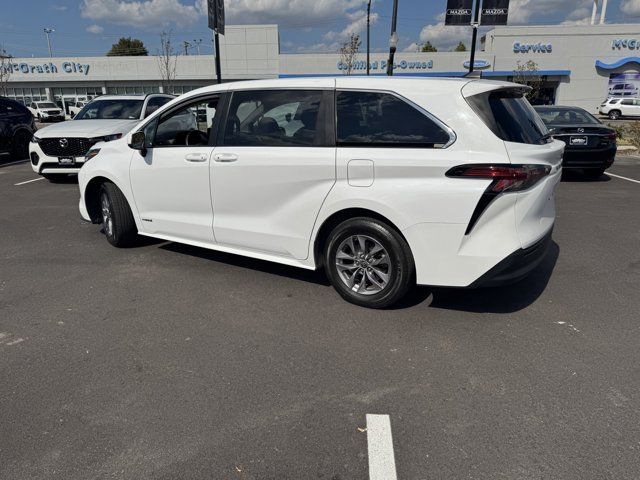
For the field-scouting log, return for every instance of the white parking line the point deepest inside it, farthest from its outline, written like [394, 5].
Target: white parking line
[623, 178]
[382, 464]
[13, 163]
[28, 181]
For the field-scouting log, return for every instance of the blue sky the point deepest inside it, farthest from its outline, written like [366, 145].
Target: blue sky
[89, 27]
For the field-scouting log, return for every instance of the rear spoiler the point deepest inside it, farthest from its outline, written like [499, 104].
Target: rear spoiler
[476, 87]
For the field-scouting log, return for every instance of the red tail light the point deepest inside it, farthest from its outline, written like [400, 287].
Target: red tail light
[505, 177]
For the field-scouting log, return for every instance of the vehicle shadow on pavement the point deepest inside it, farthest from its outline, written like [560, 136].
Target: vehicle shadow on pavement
[507, 299]
[318, 277]
[579, 177]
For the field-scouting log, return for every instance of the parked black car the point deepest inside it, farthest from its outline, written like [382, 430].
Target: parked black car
[16, 128]
[591, 145]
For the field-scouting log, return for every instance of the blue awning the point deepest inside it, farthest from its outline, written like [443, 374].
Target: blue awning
[526, 73]
[617, 63]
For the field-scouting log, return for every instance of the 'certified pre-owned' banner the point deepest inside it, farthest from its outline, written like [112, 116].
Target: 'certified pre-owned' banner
[494, 12]
[458, 12]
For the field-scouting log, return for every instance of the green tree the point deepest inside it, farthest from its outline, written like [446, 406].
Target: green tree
[128, 47]
[427, 47]
[460, 48]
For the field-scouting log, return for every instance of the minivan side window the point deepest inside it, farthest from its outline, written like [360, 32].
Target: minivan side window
[189, 125]
[378, 119]
[274, 118]
[627, 102]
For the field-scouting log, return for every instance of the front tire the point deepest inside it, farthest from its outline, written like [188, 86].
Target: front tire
[117, 220]
[369, 263]
[593, 173]
[614, 114]
[20, 145]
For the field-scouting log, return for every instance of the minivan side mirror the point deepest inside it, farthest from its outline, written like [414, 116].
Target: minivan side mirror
[137, 141]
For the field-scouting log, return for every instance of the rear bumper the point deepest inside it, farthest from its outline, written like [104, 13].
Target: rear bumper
[517, 265]
[584, 158]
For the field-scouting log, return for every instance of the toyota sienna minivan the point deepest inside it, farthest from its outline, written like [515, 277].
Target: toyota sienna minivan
[382, 182]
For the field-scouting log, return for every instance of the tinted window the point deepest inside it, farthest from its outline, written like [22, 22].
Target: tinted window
[627, 102]
[510, 116]
[277, 118]
[188, 126]
[565, 116]
[379, 119]
[111, 109]
[9, 107]
[155, 103]
[47, 105]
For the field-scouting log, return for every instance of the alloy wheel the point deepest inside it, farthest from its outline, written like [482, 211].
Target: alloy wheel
[107, 219]
[363, 264]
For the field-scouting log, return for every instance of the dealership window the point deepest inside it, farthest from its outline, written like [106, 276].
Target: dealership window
[375, 119]
[132, 89]
[27, 95]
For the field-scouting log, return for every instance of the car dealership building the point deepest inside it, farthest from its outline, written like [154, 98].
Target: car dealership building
[578, 64]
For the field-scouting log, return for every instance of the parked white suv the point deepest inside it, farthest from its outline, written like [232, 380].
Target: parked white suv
[615, 108]
[46, 111]
[384, 182]
[60, 149]
[76, 108]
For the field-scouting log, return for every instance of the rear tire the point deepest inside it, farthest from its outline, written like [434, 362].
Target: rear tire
[593, 173]
[20, 145]
[614, 114]
[117, 220]
[369, 263]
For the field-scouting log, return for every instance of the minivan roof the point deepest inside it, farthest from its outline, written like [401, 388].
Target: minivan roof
[439, 84]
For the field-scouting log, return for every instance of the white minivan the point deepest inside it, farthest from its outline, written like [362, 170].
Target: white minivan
[383, 182]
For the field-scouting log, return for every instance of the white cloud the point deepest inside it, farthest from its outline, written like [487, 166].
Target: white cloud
[358, 24]
[522, 11]
[97, 29]
[630, 7]
[287, 13]
[140, 13]
[575, 12]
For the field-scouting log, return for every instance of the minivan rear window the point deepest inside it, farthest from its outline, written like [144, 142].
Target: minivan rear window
[510, 116]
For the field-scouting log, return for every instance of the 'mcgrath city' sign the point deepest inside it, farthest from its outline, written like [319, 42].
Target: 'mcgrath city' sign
[630, 43]
[30, 69]
[382, 65]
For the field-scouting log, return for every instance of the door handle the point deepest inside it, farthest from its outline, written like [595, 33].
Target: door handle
[196, 157]
[225, 157]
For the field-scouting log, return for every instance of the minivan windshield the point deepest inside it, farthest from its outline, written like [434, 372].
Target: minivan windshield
[510, 116]
[114, 109]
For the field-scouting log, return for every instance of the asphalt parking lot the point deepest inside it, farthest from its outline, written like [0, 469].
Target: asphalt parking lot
[171, 362]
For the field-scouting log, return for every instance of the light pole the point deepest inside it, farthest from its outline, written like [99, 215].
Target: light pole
[47, 32]
[197, 44]
[368, 25]
[186, 46]
[393, 40]
[475, 24]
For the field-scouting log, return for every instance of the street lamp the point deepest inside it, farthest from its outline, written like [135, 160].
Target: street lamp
[393, 45]
[393, 40]
[47, 32]
[197, 44]
[368, 29]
